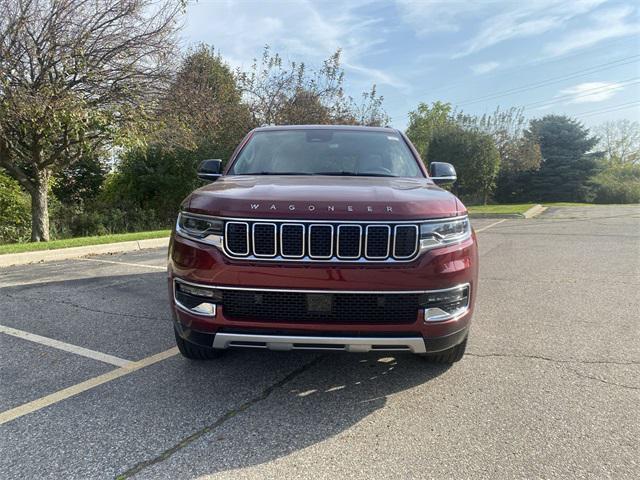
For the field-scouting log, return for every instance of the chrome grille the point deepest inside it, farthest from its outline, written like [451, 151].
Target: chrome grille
[321, 241]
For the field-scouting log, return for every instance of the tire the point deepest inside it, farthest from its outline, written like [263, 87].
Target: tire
[447, 357]
[195, 352]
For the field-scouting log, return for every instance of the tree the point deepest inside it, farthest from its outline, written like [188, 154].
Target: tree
[620, 141]
[567, 165]
[427, 121]
[203, 107]
[14, 211]
[474, 155]
[285, 93]
[76, 77]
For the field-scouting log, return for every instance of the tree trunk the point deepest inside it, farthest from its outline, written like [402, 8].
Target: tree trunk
[40, 209]
[486, 197]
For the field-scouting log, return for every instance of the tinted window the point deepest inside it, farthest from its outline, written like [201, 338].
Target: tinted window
[326, 152]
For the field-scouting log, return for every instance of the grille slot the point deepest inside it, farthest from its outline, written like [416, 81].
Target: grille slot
[237, 238]
[378, 237]
[292, 240]
[333, 308]
[349, 241]
[264, 240]
[320, 241]
[405, 241]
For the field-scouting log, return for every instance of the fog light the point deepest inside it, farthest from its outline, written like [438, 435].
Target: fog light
[197, 299]
[440, 305]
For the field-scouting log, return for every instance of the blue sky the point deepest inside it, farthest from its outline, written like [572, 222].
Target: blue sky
[581, 58]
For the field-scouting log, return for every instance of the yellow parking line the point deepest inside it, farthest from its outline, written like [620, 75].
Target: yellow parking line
[65, 393]
[492, 225]
[67, 347]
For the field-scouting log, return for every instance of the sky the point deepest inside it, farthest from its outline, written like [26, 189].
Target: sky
[580, 57]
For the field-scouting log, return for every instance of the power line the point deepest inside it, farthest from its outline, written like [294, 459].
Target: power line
[532, 86]
[611, 108]
[585, 93]
[537, 62]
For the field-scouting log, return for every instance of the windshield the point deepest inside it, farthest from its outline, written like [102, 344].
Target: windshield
[326, 152]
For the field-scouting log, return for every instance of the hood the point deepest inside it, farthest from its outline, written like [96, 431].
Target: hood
[323, 198]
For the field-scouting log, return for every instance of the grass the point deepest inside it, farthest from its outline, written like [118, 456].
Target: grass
[501, 209]
[81, 241]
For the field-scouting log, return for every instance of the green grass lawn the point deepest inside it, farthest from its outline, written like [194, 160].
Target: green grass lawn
[502, 209]
[81, 241]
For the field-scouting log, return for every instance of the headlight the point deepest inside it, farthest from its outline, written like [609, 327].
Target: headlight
[441, 233]
[200, 228]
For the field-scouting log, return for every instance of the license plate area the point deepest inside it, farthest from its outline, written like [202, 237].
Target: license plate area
[319, 302]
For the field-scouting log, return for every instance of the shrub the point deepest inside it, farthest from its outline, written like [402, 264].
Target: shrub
[618, 184]
[15, 211]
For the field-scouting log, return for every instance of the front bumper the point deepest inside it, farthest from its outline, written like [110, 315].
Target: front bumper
[437, 269]
[229, 339]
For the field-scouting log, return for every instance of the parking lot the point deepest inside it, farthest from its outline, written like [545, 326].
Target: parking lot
[93, 387]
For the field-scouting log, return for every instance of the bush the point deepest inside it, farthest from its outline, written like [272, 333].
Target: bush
[618, 184]
[15, 211]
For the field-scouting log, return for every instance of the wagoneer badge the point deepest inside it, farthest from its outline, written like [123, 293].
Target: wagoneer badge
[330, 208]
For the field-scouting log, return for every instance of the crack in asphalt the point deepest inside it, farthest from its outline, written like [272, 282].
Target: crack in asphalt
[601, 380]
[221, 420]
[558, 361]
[78, 306]
[549, 359]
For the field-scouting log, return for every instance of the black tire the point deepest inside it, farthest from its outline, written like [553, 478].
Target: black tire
[195, 352]
[447, 357]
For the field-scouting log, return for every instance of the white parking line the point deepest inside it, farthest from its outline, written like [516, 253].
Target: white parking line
[491, 225]
[67, 347]
[155, 267]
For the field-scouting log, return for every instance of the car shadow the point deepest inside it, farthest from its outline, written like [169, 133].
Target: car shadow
[186, 419]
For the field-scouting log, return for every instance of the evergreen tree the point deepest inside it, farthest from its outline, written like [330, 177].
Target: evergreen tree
[567, 166]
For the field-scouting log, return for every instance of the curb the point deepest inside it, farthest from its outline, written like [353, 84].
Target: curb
[25, 258]
[532, 212]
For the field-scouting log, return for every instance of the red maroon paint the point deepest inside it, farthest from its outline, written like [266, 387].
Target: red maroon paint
[329, 200]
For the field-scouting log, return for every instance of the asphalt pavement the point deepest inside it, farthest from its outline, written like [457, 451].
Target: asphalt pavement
[91, 385]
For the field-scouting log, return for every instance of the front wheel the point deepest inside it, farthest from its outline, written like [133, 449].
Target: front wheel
[195, 352]
[447, 357]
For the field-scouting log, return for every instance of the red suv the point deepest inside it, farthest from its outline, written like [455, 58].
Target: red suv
[324, 238]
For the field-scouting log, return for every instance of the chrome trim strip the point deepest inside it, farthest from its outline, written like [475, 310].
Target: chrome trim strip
[359, 243]
[366, 242]
[282, 255]
[226, 237]
[301, 290]
[415, 248]
[291, 342]
[373, 221]
[275, 239]
[320, 257]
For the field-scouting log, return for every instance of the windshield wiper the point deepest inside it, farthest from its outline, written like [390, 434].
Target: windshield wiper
[354, 174]
[275, 173]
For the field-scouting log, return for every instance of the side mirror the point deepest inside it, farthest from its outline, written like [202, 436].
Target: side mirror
[442, 173]
[210, 170]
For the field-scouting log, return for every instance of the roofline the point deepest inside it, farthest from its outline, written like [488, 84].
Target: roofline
[324, 127]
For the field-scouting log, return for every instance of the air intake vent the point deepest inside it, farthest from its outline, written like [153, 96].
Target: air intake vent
[405, 241]
[237, 238]
[292, 240]
[264, 239]
[378, 237]
[320, 241]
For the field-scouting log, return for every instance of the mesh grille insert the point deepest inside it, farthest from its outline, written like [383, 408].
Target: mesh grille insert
[349, 241]
[264, 239]
[320, 241]
[335, 308]
[292, 240]
[405, 240]
[377, 241]
[237, 238]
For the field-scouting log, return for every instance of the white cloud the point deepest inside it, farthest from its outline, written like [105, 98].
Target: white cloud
[482, 68]
[591, 92]
[300, 31]
[608, 24]
[501, 19]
